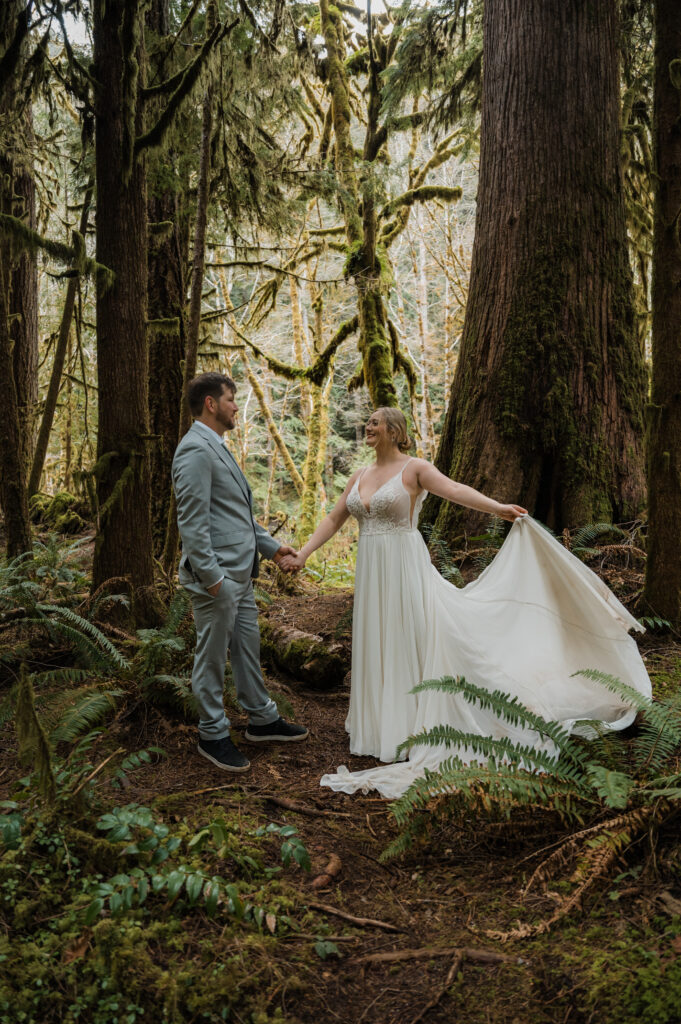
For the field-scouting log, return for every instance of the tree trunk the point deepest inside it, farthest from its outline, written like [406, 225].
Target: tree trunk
[18, 303]
[167, 258]
[546, 405]
[58, 364]
[124, 542]
[12, 481]
[24, 315]
[364, 264]
[663, 569]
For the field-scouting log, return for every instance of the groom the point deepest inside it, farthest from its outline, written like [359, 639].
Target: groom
[221, 542]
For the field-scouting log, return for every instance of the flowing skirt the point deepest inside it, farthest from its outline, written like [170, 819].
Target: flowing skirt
[532, 619]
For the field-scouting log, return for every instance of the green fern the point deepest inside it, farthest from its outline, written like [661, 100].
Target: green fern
[171, 691]
[585, 539]
[506, 708]
[637, 778]
[88, 709]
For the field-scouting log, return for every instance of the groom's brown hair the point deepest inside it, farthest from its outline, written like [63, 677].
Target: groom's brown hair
[206, 384]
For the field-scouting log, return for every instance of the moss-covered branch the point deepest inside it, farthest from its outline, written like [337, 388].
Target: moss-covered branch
[421, 195]
[317, 371]
[30, 241]
[155, 136]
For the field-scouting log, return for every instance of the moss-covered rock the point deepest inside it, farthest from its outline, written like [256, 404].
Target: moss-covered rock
[62, 512]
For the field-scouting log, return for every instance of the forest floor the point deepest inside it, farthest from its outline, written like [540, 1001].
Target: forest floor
[420, 952]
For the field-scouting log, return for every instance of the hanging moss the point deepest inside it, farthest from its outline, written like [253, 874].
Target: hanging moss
[155, 137]
[24, 238]
[163, 325]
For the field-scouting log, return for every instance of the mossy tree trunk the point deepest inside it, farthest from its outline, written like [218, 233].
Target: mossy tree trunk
[18, 298]
[546, 404]
[124, 540]
[60, 351]
[663, 569]
[13, 494]
[167, 259]
[24, 314]
[364, 263]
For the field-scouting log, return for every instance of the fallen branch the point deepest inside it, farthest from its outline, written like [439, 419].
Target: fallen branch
[293, 805]
[483, 956]
[456, 965]
[363, 922]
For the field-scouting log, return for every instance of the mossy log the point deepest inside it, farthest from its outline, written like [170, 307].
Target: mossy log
[310, 660]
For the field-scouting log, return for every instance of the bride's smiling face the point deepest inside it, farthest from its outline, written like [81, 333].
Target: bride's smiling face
[376, 431]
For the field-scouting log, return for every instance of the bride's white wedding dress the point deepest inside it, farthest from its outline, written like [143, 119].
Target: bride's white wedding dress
[533, 617]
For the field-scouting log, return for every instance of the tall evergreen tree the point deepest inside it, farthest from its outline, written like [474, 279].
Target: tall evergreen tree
[546, 405]
[663, 568]
[18, 276]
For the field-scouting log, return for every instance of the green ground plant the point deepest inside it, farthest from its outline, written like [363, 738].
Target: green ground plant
[95, 898]
[609, 791]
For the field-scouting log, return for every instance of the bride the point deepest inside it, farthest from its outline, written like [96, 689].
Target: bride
[534, 617]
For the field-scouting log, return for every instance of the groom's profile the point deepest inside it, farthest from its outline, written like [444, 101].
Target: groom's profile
[221, 545]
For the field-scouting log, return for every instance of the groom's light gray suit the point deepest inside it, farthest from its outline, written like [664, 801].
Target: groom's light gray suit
[221, 540]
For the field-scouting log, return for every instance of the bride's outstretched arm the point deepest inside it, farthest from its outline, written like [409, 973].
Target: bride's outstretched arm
[431, 479]
[325, 531]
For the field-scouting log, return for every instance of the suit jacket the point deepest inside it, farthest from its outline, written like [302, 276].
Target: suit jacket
[219, 535]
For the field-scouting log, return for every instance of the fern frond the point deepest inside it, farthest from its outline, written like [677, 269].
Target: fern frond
[509, 709]
[660, 734]
[502, 749]
[179, 606]
[90, 708]
[78, 622]
[585, 537]
[87, 651]
[499, 788]
[65, 676]
[170, 691]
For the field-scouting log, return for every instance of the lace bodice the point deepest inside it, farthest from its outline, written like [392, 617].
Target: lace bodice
[390, 508]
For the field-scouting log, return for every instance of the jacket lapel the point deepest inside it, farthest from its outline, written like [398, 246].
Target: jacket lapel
[228, 460]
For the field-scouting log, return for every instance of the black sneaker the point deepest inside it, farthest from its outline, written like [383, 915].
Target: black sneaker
[279, 731]
[224, 754]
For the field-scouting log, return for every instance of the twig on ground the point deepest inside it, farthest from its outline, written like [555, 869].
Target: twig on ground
[121, 750]
[483, 956]
[456, 965]
[293, 805]
[363, 922]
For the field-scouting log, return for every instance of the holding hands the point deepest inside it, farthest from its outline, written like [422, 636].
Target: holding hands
[293, 562]
[288, 559]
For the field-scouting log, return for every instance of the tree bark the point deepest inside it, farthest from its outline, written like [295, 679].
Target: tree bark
[167, 290]
[13, 495]
[58, 364]
[124, 542]
[546, 404]
[18, 299]
[24, 315]
[663, 568]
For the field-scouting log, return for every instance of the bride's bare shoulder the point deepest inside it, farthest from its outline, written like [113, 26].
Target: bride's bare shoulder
[413, 469]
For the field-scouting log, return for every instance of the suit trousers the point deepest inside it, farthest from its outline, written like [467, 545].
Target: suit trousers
[227, 623]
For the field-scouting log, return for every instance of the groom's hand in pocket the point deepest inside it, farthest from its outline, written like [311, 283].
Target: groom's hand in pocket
[215, 589]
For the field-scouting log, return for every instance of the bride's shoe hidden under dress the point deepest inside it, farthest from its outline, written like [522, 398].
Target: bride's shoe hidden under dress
[533, 618]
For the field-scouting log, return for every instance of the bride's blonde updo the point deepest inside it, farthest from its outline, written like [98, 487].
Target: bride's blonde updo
[396, 425]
